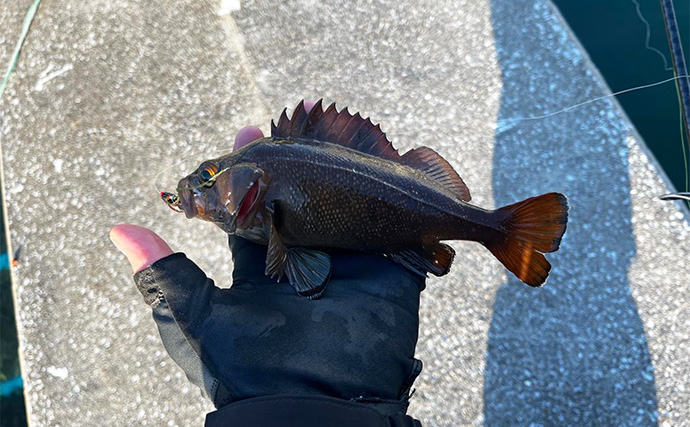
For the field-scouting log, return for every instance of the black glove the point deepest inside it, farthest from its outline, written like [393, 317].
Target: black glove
[347, 354]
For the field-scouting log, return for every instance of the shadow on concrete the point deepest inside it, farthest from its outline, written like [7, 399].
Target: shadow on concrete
[573, 352]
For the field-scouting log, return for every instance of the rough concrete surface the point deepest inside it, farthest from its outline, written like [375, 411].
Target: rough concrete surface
[109, 94]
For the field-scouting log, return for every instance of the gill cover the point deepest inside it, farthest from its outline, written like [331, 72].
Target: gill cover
[239, 190]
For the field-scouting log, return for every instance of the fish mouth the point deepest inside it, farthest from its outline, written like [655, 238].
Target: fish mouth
[188, 204]
[190, 200]
[231, 202]
[196, 203]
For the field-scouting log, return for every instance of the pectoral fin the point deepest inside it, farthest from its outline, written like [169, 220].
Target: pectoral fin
[307, 269]
[276, 256]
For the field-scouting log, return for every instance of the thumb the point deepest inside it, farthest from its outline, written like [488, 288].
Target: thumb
[142, 246]
[160, 273]
[178, 293]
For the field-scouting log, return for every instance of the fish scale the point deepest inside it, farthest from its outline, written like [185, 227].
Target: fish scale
[335, 199]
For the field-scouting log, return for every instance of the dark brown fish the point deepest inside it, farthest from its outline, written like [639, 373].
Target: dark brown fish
[328, 179]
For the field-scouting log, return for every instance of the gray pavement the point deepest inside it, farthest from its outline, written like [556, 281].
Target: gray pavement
[108, 94]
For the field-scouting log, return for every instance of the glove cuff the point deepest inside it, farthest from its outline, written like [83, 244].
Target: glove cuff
[290, 411]
[164, 270]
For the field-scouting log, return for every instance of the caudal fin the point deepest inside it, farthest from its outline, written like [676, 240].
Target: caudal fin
[532, 227]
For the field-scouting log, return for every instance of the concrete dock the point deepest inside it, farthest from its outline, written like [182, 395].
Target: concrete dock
[109, 97]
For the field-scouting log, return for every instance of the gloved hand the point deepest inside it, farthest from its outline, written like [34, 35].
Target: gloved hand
[260, 338]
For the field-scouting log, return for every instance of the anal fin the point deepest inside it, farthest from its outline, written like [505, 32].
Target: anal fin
[308, 271]
[435, 259]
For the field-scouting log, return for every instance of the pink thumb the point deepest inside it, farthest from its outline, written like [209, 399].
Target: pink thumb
[142, 246]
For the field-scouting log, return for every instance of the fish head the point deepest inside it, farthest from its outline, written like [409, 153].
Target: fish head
[223, 192]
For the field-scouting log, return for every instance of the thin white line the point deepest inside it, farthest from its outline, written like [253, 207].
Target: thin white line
[40, 84]
[505, 122]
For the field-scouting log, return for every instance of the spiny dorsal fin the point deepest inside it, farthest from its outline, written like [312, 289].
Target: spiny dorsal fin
[438, 169]
[361, 134]
[336, 127]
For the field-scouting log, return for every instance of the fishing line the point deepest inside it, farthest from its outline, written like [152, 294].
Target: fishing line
[502, 125]
[155, 177]
[510, 122]
[208, 183]
[14, 58]
[222, 150]
[682, 142]
[505, 124]
[679, 67]
[648, 36]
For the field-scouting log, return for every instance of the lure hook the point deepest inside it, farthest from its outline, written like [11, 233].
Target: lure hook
[172, 200]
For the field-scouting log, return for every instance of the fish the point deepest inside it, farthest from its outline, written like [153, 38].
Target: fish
[328, 179]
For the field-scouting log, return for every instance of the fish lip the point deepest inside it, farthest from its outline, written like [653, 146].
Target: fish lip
[187, 203]
[187, 198]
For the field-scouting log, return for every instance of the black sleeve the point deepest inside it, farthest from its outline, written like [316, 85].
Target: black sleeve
[305, 411]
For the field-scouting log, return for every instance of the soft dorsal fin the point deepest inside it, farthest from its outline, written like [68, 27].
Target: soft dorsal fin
[438, 169]
[361, 134]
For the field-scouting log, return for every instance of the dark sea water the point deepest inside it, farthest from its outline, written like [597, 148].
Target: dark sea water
[12, 411]
[614, 36]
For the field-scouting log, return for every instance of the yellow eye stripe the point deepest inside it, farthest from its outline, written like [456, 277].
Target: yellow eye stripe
[205, 184]
[211, 169]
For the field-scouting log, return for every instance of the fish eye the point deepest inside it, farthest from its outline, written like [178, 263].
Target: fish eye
[208, 172]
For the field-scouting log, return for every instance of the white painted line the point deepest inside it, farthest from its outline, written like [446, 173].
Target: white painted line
[47, 75]
[228, 6]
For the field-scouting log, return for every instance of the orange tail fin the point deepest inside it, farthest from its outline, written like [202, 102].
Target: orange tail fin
[532, 227]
